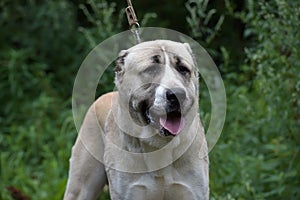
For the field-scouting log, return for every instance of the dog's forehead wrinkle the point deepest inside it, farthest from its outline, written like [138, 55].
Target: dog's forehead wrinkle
[167, 60]
[169, 47]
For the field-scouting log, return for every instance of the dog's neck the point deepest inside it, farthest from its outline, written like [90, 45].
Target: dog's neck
[144, 145]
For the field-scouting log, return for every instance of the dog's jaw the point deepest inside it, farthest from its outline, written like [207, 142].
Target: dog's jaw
[168, 123]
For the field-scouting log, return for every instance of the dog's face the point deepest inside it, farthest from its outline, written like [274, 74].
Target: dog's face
[158, 83]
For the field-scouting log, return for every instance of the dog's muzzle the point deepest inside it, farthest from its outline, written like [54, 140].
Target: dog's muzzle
[167, 116]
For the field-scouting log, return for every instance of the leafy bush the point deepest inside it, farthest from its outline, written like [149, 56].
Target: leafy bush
[35, 126]
[43, 46]
[40, 52]
[258, 155]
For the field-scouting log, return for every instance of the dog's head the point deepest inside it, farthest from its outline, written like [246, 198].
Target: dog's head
[158, 83]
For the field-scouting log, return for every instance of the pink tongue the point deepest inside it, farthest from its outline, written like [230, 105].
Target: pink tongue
[173, 125]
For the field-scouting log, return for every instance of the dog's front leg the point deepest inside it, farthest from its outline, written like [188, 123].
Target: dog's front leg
[86, 175]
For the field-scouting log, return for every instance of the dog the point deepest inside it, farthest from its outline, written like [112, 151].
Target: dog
[146, 139]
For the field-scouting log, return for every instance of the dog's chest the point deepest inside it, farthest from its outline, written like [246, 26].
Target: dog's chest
[161, 185]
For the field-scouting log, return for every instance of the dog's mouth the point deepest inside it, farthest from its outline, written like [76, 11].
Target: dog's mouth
[171, 124]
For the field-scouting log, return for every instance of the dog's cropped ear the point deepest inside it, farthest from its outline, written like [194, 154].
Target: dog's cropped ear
[189, 49]
[119, 68]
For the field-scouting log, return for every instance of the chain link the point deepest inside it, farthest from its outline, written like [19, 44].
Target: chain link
[133, 21]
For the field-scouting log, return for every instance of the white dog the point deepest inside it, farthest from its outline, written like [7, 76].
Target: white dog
[148, 135]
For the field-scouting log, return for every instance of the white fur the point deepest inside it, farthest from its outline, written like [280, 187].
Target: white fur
[186, 178]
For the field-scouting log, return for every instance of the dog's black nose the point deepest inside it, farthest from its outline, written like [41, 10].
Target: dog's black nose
[175, 94]
[175, 97]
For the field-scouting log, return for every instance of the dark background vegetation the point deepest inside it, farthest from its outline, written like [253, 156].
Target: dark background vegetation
[255, 44]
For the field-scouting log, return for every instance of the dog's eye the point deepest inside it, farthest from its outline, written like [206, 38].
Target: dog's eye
[183, 70]
[156, 59]
[180, 67]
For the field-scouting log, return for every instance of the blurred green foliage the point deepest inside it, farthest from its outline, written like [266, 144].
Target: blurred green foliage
[255, 45]
[260, 142]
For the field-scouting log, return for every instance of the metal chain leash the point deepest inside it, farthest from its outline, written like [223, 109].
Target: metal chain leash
[133, 21]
